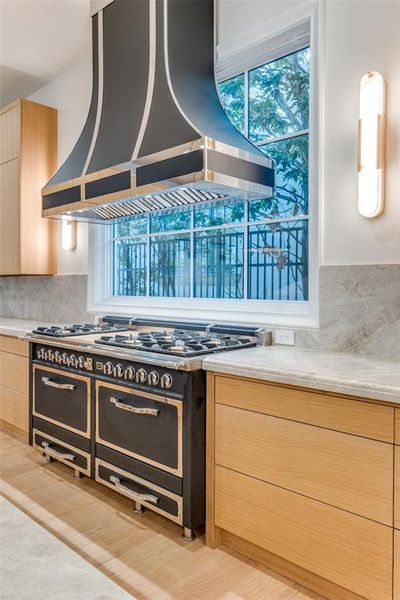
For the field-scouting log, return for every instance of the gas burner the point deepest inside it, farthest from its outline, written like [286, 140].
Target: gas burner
[176, 343]
[76, 329]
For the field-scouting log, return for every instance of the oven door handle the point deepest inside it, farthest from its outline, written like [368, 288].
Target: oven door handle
[138, 410]
[55, 454]
[60, 386]
[137, 496]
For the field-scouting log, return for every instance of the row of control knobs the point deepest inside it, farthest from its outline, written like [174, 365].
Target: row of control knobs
[69, 360]
[139, 376]
[129, 373]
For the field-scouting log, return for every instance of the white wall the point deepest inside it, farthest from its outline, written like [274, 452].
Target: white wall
[359, 36]
[70, 93]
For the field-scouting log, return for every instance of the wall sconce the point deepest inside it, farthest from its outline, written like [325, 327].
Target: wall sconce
[68, 234]
[371, 145]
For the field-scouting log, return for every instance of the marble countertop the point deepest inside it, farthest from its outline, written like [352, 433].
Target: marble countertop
[20, 327]
[351, 374]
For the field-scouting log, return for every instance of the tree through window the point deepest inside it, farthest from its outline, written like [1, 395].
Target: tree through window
[235, 250]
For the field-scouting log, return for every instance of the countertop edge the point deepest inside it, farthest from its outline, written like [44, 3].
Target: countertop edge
[369, 392]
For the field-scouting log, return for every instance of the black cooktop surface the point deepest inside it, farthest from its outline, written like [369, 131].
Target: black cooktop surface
[79, 329]
[176, 343]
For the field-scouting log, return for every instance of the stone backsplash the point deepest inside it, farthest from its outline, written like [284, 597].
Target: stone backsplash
[359, 307]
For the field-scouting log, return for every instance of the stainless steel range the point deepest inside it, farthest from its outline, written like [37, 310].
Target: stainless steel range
[123, 402]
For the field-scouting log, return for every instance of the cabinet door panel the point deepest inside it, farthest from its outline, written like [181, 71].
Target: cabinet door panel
[397, 426]
[396, 565]
[397, 487]
[14, 408]
[14, 345]
[14, 372]
[346, 471]
[324, 410]
[348, 550]
[9, 218]
[10, 134]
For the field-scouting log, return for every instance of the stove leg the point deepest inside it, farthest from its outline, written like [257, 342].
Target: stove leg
[47, 458]
[77, 474]
[188, 534]
[138, 508]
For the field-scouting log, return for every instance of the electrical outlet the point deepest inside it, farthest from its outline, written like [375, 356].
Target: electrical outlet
[284, 337]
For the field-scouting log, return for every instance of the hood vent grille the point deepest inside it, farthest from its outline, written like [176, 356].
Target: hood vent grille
[155, 126]
[156, 202]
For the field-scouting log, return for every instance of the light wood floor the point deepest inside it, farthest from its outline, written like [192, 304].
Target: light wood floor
[144, 554]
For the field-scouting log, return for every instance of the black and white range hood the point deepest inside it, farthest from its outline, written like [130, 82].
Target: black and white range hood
[156, 136]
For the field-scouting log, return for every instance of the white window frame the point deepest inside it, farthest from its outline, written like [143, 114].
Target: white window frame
[300, 314]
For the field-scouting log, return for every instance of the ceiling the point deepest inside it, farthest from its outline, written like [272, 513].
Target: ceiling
[38, 40]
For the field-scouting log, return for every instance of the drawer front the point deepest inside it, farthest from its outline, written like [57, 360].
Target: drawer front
[346, 471]
[397, 426]
[139, 490]
[341, 414]
[397, 487]
[141, 425]
[14, 408]
[61, 451]
[14, 372]
[62, 399]
[14, 345]
[352, 552]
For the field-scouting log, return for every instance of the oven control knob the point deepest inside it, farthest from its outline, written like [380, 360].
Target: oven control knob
[81, 362]
[64, 358]
[119, 370]
[108, 368]
[129, 373]
[72, 361]
[141, 376]
[153, 378]
[40, 353]
[50, 355]
[57, 357]
[166, 381]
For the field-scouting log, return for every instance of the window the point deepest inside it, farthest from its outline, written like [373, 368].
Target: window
[235, 250]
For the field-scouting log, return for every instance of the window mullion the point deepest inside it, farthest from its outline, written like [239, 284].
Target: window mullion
[148, 258]
[246, 104]
[191, 258]
[245, 249]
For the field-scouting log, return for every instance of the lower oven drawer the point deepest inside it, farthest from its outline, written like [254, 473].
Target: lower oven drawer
[139, 490]
[142, 425]
[65, 453]
[62, 399]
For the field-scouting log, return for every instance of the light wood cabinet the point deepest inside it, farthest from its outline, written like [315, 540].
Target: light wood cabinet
[397, 426]
[28, 157]
[348, 550]
[304, 481]
[343, 470]
[396, 595]
[315, 408]
[14, 382]
[397, 488]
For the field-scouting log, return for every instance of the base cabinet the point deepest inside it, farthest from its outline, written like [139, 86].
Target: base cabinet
[310, 493]
[14, 382]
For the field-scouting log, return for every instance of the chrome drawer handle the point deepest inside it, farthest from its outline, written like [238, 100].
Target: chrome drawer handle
[134, 495]
[138, 410]
[56, 454]
[59, 386]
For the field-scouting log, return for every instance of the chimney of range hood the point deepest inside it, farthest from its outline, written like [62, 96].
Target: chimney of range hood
[156, 135]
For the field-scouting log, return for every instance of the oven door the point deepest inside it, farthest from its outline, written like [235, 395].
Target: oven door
[142, 425]
[62, 399]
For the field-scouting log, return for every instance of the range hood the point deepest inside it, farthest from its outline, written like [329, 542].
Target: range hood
[156, 136]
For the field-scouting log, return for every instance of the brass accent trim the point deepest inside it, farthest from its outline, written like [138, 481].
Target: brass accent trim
[64, 445]
[86, 433]
[178, 499]
[163, 400]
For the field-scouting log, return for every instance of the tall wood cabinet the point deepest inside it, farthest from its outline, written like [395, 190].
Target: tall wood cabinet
[28, 158]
